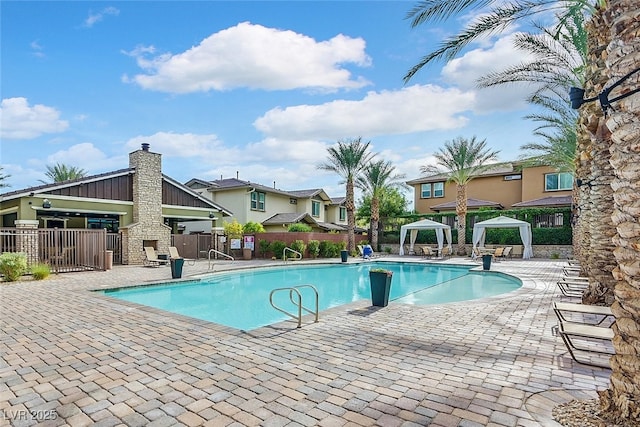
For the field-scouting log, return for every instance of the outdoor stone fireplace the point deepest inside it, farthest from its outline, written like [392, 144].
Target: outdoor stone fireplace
[147, 225]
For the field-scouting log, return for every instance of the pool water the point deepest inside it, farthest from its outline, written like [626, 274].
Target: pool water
[240, 299]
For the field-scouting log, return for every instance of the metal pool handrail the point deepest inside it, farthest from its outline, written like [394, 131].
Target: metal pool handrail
[219, 253]
[284, 253]
[294, 290]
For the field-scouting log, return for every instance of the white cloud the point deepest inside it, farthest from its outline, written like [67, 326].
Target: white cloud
[465, 71]
[99, 16]
[412, 109]
[86, 156]
[254, 56]
[206, 147]
[19, 120]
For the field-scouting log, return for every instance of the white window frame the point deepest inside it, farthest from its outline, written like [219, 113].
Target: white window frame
[256, 203]
[559, 179]
[315, 209]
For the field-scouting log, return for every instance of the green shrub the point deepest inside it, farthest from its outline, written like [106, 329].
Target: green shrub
[265, 246]
[298, 246]
[329, 249]
[314, 248]
[252, 227]
[305, 228]
[277, 246]
[40, 271]
[233, 229]
[13, 265]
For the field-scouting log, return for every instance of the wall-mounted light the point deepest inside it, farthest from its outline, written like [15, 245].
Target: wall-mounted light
[46, 204]
[576, 94]
[212, 215]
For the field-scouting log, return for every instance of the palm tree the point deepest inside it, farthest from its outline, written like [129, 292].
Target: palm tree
[462, 160]
[498, 18]
[61, 172]
[3, 177]
[348, 159]
[619, 22]
[376, 178]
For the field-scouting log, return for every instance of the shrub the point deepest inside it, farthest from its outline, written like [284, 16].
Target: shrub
[298, 246]
[314, 248]
[233, 229]
[329, 249]
[305, 228]
[252, 227]
[13, 265]
[40, 271]
[277, 246]
[265, 246]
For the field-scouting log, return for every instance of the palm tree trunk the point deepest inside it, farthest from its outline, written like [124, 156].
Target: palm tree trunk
[375, 217]
[461, 211]
[351, 216]
[622, 399]
[598, 257]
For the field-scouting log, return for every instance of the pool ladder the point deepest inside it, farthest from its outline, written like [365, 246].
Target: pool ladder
[297, 302]
[284, 254]
[217, 253]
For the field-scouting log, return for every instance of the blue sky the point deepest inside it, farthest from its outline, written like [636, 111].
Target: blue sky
[257, 89]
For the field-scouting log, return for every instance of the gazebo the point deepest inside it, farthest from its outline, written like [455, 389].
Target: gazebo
[442, 231]
[480, 228]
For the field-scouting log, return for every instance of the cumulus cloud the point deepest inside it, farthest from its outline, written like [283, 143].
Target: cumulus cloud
[465, 71]
[93, 18]
[257, 57]
[185, 145]
[86, 156]
[411, 109]
[19, 120]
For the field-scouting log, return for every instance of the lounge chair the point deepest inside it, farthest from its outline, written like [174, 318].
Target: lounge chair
[588, 314]
[506, 253]
[571, 288]
[173, 253]
[586, 340]
[499, 253]
[151, 259]
[426, 252]
[445, 252]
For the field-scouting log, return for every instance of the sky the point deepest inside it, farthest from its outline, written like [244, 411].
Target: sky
[255, 90]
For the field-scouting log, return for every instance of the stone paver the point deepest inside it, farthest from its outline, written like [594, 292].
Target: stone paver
[86, 359]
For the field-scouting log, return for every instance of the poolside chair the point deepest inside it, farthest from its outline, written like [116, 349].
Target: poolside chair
[586, 341]
[151, 259]
[499, 253]
[445, 252]
[588, 314]
[507, 252]
[573, 288]
[173, 253]
[426, 252]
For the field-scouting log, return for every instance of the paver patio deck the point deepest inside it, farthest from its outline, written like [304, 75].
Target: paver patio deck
[79, 359]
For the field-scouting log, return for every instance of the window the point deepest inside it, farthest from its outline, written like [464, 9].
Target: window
[558, 181]
[315, 208]
[426, 190]
[343, 213]
[438, 189]
[548, 220]
[257, 201]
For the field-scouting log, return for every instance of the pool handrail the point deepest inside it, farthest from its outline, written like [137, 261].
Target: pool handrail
[295, 290]
[219, 253]
[284, 253]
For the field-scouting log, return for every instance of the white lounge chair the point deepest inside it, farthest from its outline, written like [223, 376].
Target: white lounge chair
[587, 344]
[569, 312]
[173, 253]
[151, 259]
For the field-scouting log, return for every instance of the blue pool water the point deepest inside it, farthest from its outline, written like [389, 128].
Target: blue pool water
[240, 299]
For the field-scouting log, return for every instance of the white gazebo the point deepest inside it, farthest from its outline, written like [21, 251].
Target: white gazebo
[480, 228]
[442, 231]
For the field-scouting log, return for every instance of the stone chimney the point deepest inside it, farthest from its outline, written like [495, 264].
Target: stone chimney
[147, 228]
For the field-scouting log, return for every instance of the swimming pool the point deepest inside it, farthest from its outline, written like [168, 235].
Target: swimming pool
[240, 299]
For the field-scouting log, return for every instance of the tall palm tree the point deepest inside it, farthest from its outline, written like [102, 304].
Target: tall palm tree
[462, 160]
[500, 16]
[376, 178]
[348, 159]
[622, 399]
[61, 172]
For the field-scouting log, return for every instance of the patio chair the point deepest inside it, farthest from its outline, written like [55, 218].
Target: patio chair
[499, 253]
[151, 259]
[445, 252]
[173, 253]
[507, 252]
[589, 314]
[573, 288]
[587, 344]
[426, 252]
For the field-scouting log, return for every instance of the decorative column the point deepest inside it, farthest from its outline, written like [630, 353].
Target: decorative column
[27, 239]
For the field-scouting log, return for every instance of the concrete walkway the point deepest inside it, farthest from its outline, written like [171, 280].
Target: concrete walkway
[71, 357]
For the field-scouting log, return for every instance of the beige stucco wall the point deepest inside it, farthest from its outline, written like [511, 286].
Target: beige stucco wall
[533, 183]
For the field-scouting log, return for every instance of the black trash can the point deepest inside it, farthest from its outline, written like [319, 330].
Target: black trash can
[176, 267]
[344, 254]
[380, 282]
[486, 262]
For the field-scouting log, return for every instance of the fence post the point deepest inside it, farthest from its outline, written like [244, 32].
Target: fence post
[27, 239]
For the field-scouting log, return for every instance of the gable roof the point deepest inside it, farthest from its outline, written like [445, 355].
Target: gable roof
[289, 218]
[235, 183]
[551, 201]
[503, 168]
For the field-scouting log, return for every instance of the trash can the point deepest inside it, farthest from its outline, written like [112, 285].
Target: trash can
[486, 262]
[344, 254]
[246, 254]
[108, 260]
[176, 267]
[380, 282]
